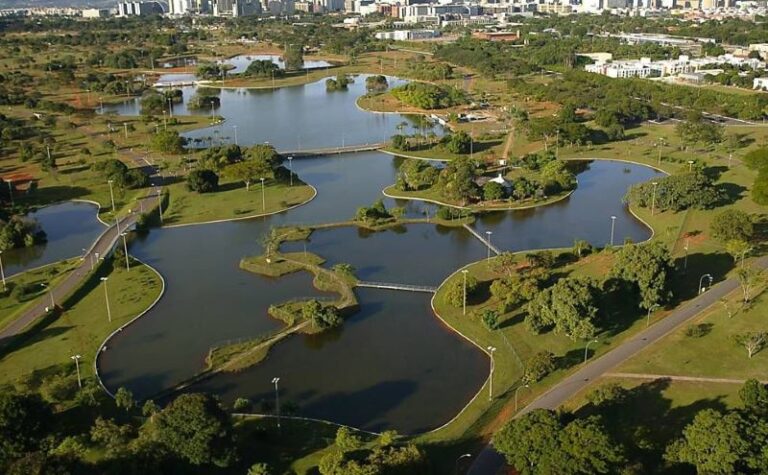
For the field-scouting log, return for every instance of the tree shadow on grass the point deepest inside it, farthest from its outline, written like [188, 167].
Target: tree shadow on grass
[685, 284]
[645, 422]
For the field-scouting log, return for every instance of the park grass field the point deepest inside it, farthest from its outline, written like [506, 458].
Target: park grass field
[82, 326]
[232, 201]
[41, 278]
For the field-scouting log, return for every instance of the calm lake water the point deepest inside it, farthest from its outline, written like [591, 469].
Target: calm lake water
[392, 365]
[290, 118]
[70, 227]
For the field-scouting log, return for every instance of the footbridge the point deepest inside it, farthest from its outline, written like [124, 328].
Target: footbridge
[318, 152]
[483, 240]
[391, 286]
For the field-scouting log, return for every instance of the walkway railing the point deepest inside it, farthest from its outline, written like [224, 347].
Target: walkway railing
[316, 152]
[391, 286]
[482, 239]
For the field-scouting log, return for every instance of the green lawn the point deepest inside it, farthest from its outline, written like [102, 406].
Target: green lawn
[514, 345]
[715, 354]
[39, 280]
[47, 346]
[232, 201]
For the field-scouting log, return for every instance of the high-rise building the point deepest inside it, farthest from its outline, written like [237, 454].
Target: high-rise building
[179, 7]
[138, 8]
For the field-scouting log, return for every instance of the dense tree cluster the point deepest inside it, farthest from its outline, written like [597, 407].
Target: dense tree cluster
[121, 176]
[646, 269]
[429, 96]
[416, 175]
[339, 83]
[677, 192]
[419, 68]
[263, 68]
[569, 307]
[758, 160]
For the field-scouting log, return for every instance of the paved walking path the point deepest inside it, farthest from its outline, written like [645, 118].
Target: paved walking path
[676, 378]
[100, 248]
[489, 462]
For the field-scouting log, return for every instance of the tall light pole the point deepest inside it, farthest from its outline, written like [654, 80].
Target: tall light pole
[111, 195]
[690, 165]
[125, 128]
[648, 319]
[465, 271]
[613, 228]
[76, 359]
[263, 197]
[2, 271]
[586, 349]
[653, 198]
[701, 281]
[518, 389]
[275, 381]
[491, 351]
[488, 242]
[234, 127]
[106, 299]
[125, 250]
[463, 456]
[160, 205]
[290, 168]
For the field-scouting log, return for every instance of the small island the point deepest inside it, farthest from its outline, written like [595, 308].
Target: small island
[533, 180]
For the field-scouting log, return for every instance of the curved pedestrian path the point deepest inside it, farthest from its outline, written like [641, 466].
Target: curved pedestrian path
[490, 462]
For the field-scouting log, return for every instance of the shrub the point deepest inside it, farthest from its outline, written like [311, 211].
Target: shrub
[539, 366]
[203, 181]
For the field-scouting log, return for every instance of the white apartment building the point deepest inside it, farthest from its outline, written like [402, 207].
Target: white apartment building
[645, 68]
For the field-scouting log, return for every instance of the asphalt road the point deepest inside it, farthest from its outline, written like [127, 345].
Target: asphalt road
[489, 462]
[101, 246]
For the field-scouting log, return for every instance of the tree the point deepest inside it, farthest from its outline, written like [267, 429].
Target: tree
[24, 421]
[713, 443]
[259, 468]
[677, 192]
[753, 342]
[113, 437]
[539, 442]
[196, 428]
[570, 306]
[459, 143]
[754, 396]
[248, 171]
[738, 249]
[731, 224]
[749, 277]
[491, 319]
[293, 55]
[455, 290]
[493, 191]
[346, 440]
[263, 68]
[456, 181]
[202, 181]
[124, 399]
[647, 268]
[609, 393]
[167, 141]
[538, 366]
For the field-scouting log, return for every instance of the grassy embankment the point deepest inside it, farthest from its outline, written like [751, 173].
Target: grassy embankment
[37, 282]
[45, 348]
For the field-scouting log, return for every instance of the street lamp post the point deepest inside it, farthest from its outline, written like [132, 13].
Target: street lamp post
[234, 127]
[586, 349]
[653, 199]
[125, 250]
[463, 456]
[465, 271]
[275, 381]
[516, 391]
[76, 359]
[491, 350]
[160, 204]
[2, 271]
[690, 165]
[701, 281]
[290, 168]
[613, 228]
[106, 299]
[111, 195]
[648, 319]
[488, 242]
[263, 197]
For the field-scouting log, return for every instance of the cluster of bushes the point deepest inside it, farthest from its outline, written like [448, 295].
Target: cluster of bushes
[677, 192]
[376, 83]
[263, 68]
[377, 213]
[18, 231]
[423, 70]
[204, 100]
[339, 83]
